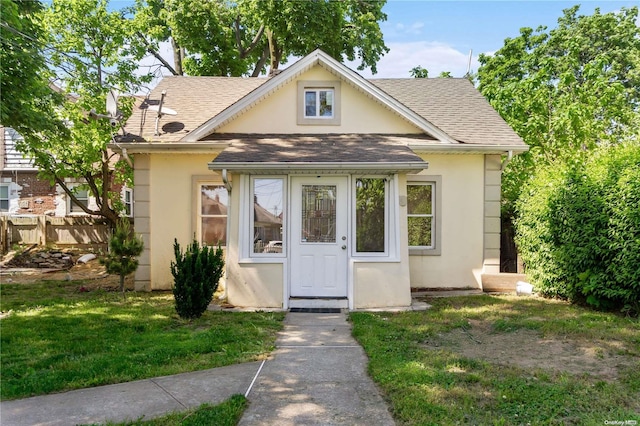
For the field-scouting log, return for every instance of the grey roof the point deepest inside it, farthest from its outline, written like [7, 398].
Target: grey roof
[452, 104]
[316, 149]
[455, 106]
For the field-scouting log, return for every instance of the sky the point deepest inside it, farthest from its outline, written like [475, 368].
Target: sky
[439, 35]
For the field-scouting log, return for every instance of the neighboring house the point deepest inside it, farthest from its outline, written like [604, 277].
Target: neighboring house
[22, 192]
[338, 191]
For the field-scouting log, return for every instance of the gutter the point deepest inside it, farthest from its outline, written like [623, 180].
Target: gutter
[311, 166]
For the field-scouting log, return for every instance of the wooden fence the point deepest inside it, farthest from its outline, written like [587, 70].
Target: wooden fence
[43, 230]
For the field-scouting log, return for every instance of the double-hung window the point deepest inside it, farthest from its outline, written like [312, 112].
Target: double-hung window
[82, 196]
[212, 214]
[127, 201]
[4, 197]
[422, 216]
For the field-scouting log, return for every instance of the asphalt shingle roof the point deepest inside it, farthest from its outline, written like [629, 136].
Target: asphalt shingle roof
[317, 149]
[452, 104]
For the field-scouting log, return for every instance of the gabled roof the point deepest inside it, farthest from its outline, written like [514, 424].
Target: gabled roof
[451, 111]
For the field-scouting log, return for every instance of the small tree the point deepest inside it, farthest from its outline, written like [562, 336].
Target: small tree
[196, 274]
[125, 247]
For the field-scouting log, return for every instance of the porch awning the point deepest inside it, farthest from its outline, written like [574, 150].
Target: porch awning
[268, 154]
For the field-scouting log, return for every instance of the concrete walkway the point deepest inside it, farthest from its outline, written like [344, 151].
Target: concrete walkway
[316, 376]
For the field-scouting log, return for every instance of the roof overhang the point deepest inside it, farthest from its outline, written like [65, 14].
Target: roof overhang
[467, 149]
[271, 168]
[167, 148]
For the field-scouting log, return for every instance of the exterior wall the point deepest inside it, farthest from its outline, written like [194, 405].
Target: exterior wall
[460, 263]
[163, 210]
[279, 114]
[257, 285]
[492, 189]
[28, 194]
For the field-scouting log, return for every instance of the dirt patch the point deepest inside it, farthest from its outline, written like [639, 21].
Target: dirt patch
[92, 274]
[528, 349]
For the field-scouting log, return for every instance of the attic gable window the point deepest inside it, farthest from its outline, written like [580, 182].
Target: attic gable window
[319, 103]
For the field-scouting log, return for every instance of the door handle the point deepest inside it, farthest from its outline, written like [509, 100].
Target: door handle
[344, 247]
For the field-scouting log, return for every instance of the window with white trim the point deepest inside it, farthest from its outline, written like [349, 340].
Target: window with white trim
[4, 197]
[82, 195]
[371, 215]
[318, 103]
[423, 215]
[267, 216]
[212, 214]
[127, 201]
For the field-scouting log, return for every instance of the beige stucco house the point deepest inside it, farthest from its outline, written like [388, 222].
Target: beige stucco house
[326, 189]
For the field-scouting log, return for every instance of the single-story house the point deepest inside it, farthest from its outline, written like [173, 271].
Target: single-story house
[338, 191]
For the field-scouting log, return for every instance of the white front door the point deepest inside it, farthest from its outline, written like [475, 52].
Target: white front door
[319, 236]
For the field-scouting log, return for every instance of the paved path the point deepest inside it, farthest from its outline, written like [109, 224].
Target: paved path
[317, 376]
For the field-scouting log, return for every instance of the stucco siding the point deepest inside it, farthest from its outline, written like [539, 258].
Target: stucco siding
[171, 203]
[381, 285]
[278, 113]
[460, 262]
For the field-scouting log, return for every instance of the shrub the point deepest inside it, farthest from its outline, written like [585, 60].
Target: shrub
[196, 274]
[578, 229]
[124, 248]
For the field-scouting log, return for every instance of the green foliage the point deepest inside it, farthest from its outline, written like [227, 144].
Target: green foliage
[196, 274]
[29, 102]
[91, 50]
[58, 338]
[419, 72]
[579, 228]
[418, 361]
[124, 248]
[244, 37]
[572, 88]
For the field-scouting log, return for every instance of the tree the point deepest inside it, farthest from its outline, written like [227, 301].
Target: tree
[28, 102]
[566, 90]
[90, 50]
[124, 249]
[419, 72]
[243, 37]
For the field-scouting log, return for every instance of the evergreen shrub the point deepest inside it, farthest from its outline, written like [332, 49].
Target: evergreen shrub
[196, 274]
[578, 229]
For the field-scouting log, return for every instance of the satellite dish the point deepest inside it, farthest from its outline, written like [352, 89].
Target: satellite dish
[112, 103]
[161, 110]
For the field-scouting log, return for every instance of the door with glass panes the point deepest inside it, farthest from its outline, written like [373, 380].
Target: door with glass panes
[319, 236]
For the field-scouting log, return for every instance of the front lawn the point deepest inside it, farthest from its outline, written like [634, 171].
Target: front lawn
[60, 337]
[504, 360]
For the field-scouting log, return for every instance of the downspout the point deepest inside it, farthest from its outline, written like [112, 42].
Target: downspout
[507, 161]
[226, 182]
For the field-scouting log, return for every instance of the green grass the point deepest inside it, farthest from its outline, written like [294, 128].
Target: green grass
[226, 414]
[437, 385]
[58, 338]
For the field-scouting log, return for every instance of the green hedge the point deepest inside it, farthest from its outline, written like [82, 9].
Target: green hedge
[578, 229]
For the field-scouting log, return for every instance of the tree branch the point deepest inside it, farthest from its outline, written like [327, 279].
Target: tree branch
[155, 54]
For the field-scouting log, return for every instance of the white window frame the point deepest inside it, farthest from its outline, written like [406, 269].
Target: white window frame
[198, 212]
[329, 93]
[317, 86]
[251, 234]
[129, 192]
[436, 223]
[388, 237]
[8, 198]
[73, 208]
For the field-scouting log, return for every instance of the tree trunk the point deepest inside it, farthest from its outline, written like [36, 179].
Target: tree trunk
[122, 286]
[178, 56]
